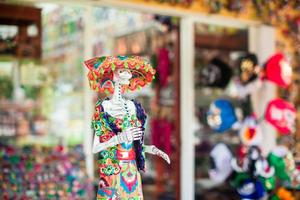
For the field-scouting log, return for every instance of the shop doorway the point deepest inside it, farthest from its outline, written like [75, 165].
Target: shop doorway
[217, 49]
[256, 35]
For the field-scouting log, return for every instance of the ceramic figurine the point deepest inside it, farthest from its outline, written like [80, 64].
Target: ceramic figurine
[119, 125]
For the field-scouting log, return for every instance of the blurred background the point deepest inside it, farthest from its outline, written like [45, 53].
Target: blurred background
[46, 104]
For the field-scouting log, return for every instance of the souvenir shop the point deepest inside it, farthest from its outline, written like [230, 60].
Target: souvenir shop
[47, 106]
[223, 104]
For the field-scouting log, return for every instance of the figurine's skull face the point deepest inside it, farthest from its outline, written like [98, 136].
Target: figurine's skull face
[123, 76]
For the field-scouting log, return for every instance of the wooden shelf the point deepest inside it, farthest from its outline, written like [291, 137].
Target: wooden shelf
[237, 42]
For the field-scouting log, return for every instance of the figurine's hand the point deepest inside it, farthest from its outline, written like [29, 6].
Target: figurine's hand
[130, 134]
[154, 150]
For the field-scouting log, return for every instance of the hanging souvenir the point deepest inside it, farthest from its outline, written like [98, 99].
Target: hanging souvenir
[119, 125]
[216, 74]
[284, 194]
[251, 189]
[281, 114]
[163, 66]
[161, 130]
[250, 132]
[221, 115]
[254, 176]
[278, 158]
[248, 68]
[221, 160]
[278, 70]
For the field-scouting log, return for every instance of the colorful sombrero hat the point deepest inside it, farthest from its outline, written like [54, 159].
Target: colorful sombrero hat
[102, 69]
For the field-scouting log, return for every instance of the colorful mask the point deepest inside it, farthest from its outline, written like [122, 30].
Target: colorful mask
[221, 158]
[247, 68]
[278, 70]
[277, 161]
[251, 190]
[281, 114]
[221, 115]
[250, 132]
[216, 74]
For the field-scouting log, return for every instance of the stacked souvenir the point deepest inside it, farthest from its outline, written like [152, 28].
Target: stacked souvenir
[253, 173]
[47, 173]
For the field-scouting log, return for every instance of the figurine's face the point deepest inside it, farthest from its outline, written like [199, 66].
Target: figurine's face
[123, 76]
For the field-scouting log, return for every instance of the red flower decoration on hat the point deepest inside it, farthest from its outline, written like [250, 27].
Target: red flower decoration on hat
[101, 71]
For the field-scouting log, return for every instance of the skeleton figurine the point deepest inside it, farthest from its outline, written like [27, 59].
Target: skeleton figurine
[119, 107]
[119, 126]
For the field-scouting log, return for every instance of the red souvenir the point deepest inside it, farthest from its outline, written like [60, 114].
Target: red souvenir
[281, 114]
[278, 70]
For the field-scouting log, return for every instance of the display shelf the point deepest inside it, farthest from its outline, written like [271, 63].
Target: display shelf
[39, 172]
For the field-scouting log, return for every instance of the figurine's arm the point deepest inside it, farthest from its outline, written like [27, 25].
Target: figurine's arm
[127, 136]
[151, 149]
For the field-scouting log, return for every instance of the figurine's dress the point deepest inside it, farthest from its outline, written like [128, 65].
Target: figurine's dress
[119, 165]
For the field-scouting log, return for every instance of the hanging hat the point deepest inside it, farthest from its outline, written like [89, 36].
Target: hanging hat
[278, 70]
[101, 70]
[250, 132]
[276, 160]
[216, 74]
[251, 189]
[221, 115]
[247, 66]
[285, 194]
[281, 114]
[221, 157]
[268, 183]
[241, 151]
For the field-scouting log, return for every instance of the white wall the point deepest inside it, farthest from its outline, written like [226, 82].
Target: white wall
[88, 95]
[187, 106]
[262, 42]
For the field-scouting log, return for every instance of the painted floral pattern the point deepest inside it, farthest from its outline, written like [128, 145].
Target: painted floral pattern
[118, 179]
